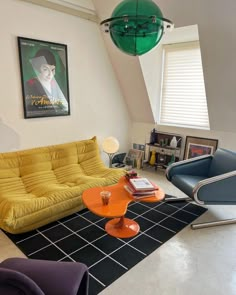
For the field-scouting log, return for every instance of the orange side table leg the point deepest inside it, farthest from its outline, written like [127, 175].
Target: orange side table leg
[122, 227]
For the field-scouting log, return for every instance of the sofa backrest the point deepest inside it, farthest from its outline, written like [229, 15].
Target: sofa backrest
[22, 171]
[223, 161]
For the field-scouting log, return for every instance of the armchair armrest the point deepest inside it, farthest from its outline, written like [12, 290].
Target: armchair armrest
[198, 166]
[52, 277]
[15, 282]
[220, 189]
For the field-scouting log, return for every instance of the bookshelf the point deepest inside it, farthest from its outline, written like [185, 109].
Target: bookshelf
[164, 152]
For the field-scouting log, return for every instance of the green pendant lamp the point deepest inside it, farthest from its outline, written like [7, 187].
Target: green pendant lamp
[136, 26]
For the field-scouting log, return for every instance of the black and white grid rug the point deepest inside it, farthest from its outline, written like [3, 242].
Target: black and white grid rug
[81, 237]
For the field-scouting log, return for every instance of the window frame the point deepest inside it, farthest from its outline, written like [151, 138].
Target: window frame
[177, 46]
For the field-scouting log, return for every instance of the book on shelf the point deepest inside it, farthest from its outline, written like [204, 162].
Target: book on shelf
[139, 194]
[142, 184]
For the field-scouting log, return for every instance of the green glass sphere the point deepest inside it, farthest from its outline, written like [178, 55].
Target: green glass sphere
[136, 26]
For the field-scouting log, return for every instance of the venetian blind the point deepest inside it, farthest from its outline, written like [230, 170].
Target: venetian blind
[183, 99]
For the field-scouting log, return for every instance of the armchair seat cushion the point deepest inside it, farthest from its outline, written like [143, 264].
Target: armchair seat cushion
[186, 183]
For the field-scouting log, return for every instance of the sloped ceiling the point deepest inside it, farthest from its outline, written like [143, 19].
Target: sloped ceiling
[128, 71]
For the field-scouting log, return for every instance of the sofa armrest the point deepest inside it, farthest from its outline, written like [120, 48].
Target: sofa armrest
[198, 166]
[219, 189]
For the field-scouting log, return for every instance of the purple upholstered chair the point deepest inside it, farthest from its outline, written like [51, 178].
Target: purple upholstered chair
[22, 276]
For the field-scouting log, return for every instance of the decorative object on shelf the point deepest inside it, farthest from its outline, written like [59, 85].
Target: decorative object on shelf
[153, 158]
[173, 142]
[136, 26]
[161, 158]
[153, 136]
[139, 146]
[172, 159]
[110, 146]
[198, 146]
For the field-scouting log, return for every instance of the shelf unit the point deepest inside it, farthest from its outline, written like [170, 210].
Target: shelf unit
[165, 154]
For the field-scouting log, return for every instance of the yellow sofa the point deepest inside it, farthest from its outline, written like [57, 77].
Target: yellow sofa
[41, 185]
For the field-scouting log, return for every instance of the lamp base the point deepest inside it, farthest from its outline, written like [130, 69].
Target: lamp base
[110, 155]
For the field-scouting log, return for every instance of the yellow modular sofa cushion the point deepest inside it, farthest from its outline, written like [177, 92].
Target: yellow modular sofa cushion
[41, 185]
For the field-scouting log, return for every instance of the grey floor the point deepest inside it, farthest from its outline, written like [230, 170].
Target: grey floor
[196, 262]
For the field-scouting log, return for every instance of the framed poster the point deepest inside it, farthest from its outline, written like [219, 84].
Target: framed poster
[44, 78]
[197, 146]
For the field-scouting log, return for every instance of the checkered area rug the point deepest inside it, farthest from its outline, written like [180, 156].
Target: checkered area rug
[81, 237]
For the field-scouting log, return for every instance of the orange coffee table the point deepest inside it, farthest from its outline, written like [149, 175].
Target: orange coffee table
[119, 226]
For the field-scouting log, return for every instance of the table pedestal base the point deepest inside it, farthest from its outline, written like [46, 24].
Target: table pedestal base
[122, 227]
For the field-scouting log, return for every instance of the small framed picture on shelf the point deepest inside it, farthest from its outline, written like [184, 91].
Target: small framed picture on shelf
[198, 146]
[138, 146]
[134, 158]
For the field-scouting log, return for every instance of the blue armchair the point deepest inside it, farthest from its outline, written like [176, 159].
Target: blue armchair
[208, 180]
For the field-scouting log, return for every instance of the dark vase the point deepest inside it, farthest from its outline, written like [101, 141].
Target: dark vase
[153, 136]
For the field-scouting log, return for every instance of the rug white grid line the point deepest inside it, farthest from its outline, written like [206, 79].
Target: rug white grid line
[125, 243]
[167, 216]
[170, 204]
[91, 244]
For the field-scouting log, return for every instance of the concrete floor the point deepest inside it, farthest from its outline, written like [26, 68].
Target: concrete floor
[196, 262]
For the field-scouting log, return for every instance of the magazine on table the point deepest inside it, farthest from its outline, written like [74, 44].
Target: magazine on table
[139, 194]
[142, 184]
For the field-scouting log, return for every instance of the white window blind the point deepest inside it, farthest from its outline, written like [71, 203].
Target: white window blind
[183, 97]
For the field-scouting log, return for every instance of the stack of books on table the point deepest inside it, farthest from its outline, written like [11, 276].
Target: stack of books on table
[141, 187]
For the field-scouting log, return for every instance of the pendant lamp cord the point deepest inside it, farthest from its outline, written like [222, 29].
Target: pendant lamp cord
[135, 43]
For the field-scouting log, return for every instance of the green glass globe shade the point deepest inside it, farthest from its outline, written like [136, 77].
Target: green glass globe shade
[136, 26]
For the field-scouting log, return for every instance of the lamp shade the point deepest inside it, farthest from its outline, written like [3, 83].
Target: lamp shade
[136, 26]
[110, 145]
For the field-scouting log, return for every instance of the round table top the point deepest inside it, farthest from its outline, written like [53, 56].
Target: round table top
[119, 199]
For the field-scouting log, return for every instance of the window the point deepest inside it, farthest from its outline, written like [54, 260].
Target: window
[183, 97]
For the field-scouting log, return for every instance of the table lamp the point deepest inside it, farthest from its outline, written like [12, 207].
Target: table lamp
[110, 146]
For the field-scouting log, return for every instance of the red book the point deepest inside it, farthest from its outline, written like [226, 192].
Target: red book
[139, 194]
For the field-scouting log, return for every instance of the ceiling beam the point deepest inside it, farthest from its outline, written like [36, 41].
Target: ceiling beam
[63, 8]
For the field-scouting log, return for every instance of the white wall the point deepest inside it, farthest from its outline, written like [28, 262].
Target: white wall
[97, 105]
